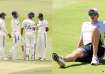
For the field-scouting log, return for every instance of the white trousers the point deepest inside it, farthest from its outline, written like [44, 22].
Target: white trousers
[14, 49]
[42, 44]
[30, 45]
[2, 44]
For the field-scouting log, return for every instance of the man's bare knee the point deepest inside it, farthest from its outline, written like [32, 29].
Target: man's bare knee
[95, 40]
[78, 53]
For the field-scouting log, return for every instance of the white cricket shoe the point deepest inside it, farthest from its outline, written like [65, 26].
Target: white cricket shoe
[95, 61]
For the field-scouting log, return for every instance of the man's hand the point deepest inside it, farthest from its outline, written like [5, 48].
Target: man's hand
[33, 28]
[47, 29]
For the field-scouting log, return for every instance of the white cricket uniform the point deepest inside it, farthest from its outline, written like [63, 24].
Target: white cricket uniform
[30, 37]
[88, 27]
[2, 38]
[16, 35]
[42, 38]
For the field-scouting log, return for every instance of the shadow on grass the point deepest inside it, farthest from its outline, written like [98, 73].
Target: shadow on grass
[74, 65]
[102, 62]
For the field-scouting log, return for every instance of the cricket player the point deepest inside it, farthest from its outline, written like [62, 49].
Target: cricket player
[3, 33]
[28, 26]
[42, 36]
[91, 44]
[15, 34]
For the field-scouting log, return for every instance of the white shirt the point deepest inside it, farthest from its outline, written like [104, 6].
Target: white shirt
[42, 25]
[15, 25]
[28, 25]
[101, 27]
[2, 26]
[87, 29]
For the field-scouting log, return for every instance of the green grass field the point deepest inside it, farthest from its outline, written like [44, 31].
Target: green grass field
[23, 7]
[65, 18]
[23, 67]
[68, 17]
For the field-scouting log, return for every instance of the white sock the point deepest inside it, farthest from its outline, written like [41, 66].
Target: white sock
[94, 56]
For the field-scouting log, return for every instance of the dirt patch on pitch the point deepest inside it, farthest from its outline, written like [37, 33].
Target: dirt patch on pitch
[10, 67]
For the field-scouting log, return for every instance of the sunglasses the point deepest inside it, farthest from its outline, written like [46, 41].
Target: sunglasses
[93, 14]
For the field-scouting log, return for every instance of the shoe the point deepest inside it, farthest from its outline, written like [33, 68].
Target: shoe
[42, 59]
[59, 60]
[95, 61]
[39, 58]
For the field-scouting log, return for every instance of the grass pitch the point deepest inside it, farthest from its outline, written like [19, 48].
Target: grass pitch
[22, 67]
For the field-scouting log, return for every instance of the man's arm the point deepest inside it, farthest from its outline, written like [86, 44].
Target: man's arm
[47, 29]
[80, 44]
[4, 29]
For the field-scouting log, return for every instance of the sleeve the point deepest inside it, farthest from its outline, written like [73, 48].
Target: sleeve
[19, 25]
[18, 22]
[46, 23]
[104, 26]
[81, 34]
[38, 24]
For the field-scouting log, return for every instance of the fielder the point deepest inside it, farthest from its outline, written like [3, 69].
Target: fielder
[28, 26]
[15, 34]
[3, 33]
[42, 36]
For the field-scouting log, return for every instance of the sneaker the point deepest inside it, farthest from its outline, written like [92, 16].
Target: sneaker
[59, 60]
[42, 59]
[95, 61]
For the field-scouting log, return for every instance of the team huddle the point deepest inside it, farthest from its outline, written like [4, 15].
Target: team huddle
[26, 34]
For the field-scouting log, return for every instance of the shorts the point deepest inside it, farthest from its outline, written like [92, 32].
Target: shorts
[88, 52]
